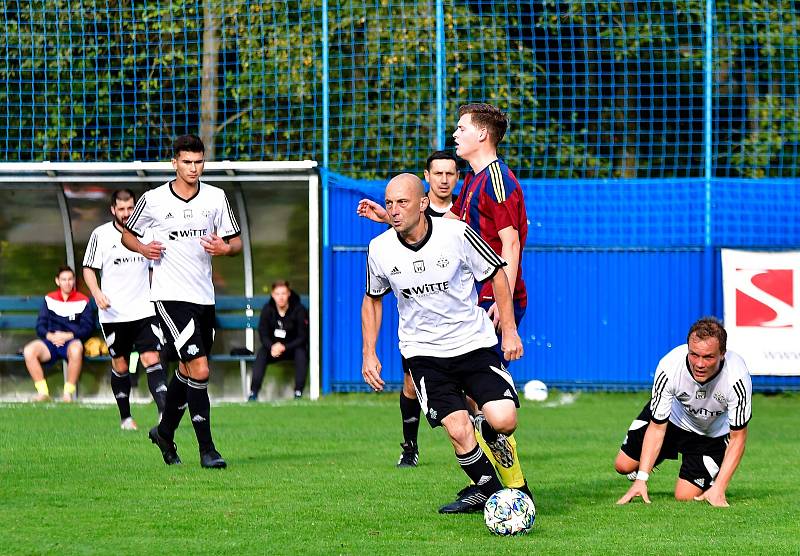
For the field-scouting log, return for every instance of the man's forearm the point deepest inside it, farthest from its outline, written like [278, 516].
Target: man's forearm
[732, 458]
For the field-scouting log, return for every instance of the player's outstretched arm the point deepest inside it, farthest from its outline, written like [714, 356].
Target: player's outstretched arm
[653, 440]
[371, 314]
[368, 208]
[733, 455]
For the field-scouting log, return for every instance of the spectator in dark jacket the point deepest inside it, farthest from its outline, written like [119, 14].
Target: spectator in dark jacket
[65, 322]
[283, 328]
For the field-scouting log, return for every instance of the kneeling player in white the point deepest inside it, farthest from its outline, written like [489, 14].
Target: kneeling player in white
[446, 339]
[700, 407]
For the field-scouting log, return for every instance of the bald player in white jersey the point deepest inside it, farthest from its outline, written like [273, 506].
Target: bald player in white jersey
[127, 316]
[191, 222]
[446, 340]
[700, 406]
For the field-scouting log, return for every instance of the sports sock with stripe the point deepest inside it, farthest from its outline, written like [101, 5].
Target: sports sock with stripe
[121, 388]
[200, 410]
[409, 411]
[478, 468]
[174, 407]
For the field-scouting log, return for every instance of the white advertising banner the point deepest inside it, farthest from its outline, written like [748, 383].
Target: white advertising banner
[761, 292]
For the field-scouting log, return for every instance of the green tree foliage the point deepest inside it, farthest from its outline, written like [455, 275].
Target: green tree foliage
[593, 89]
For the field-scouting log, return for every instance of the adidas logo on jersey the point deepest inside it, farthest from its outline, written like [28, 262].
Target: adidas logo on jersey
[169, 215]
[394, 271]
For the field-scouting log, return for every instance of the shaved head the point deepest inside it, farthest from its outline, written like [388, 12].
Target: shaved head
[407, 183]
[406, 203]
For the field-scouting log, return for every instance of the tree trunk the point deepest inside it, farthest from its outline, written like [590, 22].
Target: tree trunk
[208, 93]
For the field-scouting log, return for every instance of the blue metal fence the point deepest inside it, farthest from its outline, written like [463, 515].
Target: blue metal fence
[616, 273]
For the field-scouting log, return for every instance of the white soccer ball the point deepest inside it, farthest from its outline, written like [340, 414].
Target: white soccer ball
[509, 512]
[535, 391]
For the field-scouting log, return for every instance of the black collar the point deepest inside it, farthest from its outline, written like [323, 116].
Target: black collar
[421, 243]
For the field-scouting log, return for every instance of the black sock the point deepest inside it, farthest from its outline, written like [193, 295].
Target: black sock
[157, 383]
[200, 410]
[121, 387]
[479, 469]
[487, 432]
[409, 411]
[174, 407]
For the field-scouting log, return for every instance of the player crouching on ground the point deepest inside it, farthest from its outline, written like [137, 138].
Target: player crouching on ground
[700, 407]
[446, 339]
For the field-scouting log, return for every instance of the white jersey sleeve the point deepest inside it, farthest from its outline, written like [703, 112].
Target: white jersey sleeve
[662, 395]
[94, 255]
[377, 283]
[740, 393]
[480, 257]
[225, 222]
[141, 219]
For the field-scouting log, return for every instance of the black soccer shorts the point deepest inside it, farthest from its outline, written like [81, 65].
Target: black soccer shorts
[701, 455]
[442, 382]
[141, 335]
[188, 328]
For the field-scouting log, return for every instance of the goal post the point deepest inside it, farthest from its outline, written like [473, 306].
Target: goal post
[67, 178]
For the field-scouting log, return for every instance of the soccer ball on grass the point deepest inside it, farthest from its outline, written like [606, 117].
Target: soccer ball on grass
[509, 512]
[535, 390]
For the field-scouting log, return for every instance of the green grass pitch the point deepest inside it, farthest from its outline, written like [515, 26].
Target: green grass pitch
[319, 478]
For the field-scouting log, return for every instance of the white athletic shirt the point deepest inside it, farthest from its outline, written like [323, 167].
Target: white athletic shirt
[710, 409]
[125, 276]
[434, 282]
[184, 271]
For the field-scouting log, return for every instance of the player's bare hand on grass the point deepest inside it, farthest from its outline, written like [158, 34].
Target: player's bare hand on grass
[638, 488]
[153, 250]
[371, 371]
[372, 210]
[215, 245]
[512, 346]
[715, 497]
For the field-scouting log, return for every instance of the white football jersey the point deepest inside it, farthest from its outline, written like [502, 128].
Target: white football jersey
[434, 282]
[184, 271]
[125, 276]
[710, 409]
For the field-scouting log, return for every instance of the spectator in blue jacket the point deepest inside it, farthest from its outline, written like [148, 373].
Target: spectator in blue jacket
[65, 322]
[283, 329]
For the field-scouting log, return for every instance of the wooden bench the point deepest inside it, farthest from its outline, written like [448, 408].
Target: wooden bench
[234, 312]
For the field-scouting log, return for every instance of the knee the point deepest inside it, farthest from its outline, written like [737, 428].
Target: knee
[149, 358]
[460, 430]
[504, 424]
[624, 464]
[30, 351]
[75, 349]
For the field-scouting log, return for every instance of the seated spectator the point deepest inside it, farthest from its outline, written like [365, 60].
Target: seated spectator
[65, 321]
[283, 328]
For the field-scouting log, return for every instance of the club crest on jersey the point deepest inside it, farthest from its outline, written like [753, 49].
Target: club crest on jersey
[442, 262]
[206, 213]
[432, 413]
[700, 395]
[187, 214]
[419, 266]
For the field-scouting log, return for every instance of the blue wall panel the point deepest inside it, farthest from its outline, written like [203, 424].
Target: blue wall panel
[615, 271]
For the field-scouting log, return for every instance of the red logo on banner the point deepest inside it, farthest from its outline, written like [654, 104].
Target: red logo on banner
[767, 304]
